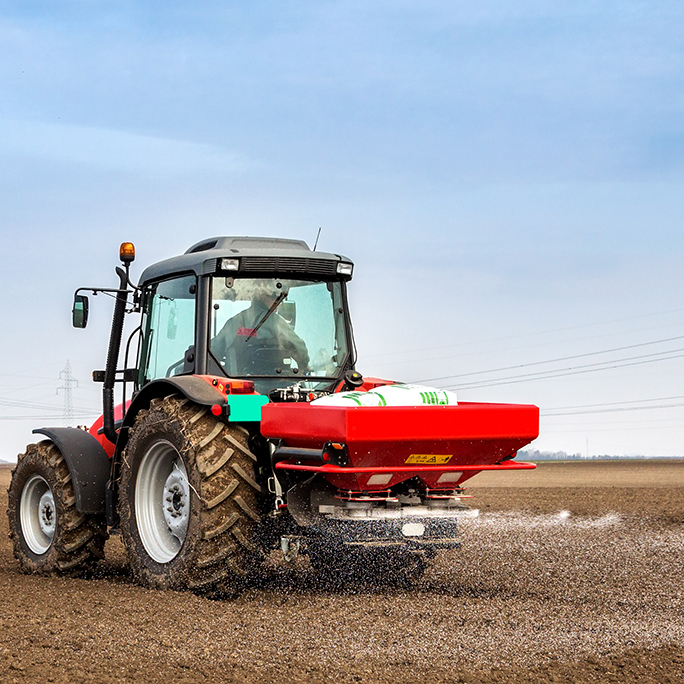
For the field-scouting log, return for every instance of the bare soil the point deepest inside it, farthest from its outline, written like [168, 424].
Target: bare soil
[570, 573]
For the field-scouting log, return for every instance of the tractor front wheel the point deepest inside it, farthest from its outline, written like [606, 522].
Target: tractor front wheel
[188, 499]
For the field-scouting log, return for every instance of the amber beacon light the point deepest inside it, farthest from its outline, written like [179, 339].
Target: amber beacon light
[127, 252]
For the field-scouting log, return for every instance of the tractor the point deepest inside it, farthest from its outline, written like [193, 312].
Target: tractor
[243, 428]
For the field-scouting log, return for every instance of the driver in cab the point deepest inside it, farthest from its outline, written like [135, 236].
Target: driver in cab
[255, 340]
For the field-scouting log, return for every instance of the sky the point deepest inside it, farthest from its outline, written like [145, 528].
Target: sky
[507, 177]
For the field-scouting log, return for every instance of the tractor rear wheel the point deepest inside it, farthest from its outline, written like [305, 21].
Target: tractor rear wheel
[188, 499]
[48, 533]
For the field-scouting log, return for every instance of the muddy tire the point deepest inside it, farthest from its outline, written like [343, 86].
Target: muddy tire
[188, 499]
[342, 566]
[48, 533]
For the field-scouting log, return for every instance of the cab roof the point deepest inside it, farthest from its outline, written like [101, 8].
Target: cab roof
[255, 255]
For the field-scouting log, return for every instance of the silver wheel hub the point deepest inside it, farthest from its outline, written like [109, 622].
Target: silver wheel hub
[37, 515]
[176, 503]
[162, 501]
[47, 516]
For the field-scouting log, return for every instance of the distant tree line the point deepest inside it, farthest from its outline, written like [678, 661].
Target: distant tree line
[536, 455]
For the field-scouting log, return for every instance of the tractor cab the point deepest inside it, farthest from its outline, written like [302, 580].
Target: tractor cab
[267, 310]
[275, 331]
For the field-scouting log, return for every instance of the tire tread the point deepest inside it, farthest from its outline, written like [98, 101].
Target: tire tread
[79, 538]
[224, 508]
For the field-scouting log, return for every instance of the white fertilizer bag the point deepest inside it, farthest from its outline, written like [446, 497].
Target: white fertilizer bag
[391, 395]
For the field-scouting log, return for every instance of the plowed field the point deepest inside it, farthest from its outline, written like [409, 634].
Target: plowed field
[570, 573]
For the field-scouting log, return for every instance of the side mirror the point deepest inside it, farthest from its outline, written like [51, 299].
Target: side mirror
[79, 314]
[288, 310]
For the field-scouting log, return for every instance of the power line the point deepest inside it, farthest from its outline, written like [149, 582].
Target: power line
[26, 405]
[569, 410]
[583, 431]
[34, 405]
[614, 403]
[654, 422]
[528, 334]
[51, 366]
[615, 410]
[22, 389]
[536, 345]
[577, 370]
[561, 358]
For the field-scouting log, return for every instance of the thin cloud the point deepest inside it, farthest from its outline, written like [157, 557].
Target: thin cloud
[103, 148]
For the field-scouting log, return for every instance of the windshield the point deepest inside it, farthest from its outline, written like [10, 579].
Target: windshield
[289, 330]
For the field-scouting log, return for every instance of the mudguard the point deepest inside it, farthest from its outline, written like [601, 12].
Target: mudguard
[191, 386]
[87, 463]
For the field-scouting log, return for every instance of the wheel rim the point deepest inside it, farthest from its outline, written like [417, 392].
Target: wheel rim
[162, 502]
[37, 515]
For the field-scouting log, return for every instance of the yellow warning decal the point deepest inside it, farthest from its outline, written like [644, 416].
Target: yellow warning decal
[429, 459]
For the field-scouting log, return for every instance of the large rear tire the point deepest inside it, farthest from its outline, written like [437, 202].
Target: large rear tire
[49, 535]
[188, 499]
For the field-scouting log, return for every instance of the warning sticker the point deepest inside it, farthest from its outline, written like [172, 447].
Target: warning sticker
[429, 459]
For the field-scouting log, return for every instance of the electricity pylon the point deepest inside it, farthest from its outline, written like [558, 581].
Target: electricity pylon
[69, 380]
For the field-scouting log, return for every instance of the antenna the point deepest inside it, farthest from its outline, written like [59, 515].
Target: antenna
[69, 380]
[317, 236]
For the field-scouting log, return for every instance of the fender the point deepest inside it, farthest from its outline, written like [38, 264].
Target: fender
[190, 386]
[87, 463]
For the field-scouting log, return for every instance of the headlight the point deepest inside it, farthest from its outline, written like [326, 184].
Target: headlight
[229, 264]
[345, 268]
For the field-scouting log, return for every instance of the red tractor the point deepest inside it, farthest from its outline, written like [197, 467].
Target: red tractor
[244, 427]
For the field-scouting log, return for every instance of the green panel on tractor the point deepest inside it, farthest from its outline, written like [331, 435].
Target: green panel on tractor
[245, 409]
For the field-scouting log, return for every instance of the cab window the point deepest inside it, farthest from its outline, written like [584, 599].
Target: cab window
[168, 329]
